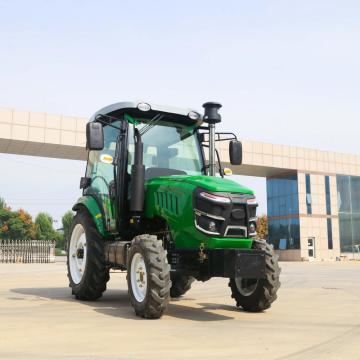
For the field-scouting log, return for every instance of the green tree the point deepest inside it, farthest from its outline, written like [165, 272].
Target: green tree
[5, 216]
[59, 240]
[16, 225]
[66, 224]
[44, 227]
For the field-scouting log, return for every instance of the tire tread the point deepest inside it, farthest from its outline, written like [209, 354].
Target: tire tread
[159, 282]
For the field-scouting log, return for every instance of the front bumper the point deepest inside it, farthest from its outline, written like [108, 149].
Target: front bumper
[227, 263]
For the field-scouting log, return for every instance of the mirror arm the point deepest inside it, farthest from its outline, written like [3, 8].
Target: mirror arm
[221, 171]
[233, 136]
[205, 167]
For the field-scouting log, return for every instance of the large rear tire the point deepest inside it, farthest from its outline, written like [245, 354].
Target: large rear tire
[256, 295]
[87, 271]
[180, 284]
[148, 276]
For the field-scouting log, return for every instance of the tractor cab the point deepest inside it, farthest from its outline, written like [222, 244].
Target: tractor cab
[139, 142]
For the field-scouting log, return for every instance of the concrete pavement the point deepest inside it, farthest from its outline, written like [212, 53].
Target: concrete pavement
[317, 316]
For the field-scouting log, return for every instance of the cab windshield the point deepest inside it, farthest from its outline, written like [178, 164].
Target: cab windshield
[169, 149]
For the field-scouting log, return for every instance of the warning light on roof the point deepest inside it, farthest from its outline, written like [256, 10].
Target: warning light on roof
[193, 115]
[144, 107]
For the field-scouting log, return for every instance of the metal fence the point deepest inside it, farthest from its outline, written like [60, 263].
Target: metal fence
[27, 251]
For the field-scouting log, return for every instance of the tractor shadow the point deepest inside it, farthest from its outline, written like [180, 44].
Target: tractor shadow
[116, 303]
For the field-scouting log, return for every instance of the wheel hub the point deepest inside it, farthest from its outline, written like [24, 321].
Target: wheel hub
[77, 253]
[246, 287]
[80, 253]
[138, 276]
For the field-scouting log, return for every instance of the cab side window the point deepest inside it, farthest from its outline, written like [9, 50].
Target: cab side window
[100, 169]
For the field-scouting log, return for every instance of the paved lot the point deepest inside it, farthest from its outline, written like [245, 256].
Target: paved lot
[317, 316]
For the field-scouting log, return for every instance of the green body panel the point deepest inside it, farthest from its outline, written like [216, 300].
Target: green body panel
[92, 206]
[210, 183]
[171, 198]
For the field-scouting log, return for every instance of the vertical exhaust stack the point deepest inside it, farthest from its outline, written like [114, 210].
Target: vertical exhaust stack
[137, 178]
[211, 116]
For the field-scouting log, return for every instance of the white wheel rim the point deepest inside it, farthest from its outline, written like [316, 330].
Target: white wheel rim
[138, 276]
[246, 287]
[77, 253]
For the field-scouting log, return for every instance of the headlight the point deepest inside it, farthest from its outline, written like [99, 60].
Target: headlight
[252, 228]
[207, 223]
[252, 205]
[252, 202]
[215, 198]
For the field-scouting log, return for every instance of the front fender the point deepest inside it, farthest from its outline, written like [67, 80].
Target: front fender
[93, 208]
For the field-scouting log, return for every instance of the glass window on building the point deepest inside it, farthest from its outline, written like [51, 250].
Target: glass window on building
[343, 193]
[329, 233]
[355, 222]
[355, 193]
[308, 194]
[284, 233]
[283, 211]
[327, 195]
[282, 195]
[348, 191]
[345, 230]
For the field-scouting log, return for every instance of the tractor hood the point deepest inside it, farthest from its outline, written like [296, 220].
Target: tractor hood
[210, 183]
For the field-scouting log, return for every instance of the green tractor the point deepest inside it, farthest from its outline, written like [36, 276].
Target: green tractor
[154, 206]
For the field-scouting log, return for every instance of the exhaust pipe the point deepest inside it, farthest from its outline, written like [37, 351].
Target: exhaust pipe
[211, 116]
[137, 178]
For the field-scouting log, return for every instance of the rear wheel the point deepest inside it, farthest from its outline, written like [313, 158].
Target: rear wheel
[180, 284]
[87, 272]
[148, 276]
[258, 294]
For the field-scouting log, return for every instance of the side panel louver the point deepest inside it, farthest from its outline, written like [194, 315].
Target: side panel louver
[167, 201]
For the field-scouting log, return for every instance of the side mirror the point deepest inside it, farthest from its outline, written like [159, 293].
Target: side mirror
[94, 136]
[235, 152]
[85, 182]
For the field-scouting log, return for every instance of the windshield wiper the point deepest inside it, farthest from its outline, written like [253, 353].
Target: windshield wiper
[150, 124]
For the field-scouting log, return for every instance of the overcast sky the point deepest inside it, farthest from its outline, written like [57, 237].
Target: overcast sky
[285, 71]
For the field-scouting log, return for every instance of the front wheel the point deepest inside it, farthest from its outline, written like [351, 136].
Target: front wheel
[148, 276]
[258, 294]
[87, 271]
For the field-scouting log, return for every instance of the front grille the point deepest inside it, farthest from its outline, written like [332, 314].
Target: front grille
[238, 215]
[209, 208]
[231, 219]
[235, 232]
[252, 211]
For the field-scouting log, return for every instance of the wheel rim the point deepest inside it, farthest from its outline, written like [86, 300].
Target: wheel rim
[77, 253]
[138, 276]
[246, 287]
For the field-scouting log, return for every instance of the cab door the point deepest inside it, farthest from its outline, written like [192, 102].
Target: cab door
[100, 169]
